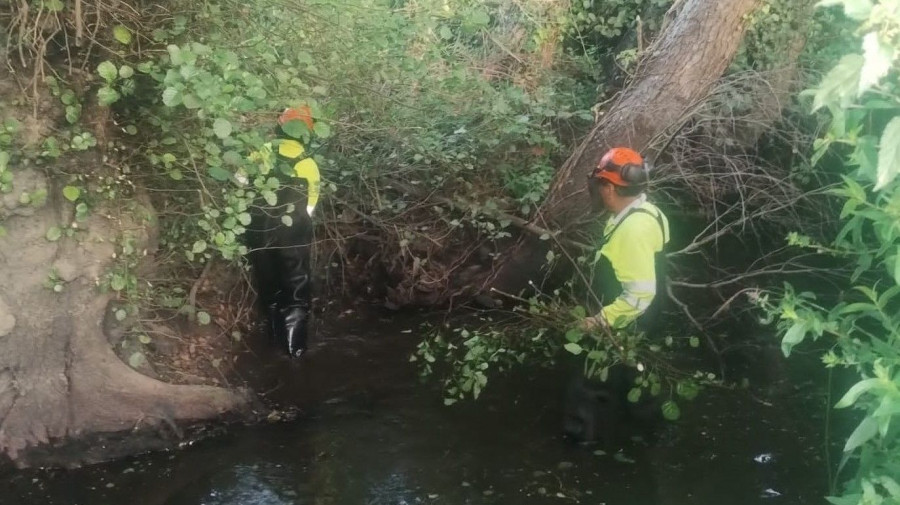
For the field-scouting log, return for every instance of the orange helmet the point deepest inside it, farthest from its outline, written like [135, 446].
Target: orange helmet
[622, 166]
[303, 113]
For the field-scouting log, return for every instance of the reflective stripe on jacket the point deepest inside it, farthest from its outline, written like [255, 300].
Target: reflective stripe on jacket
[631, 245]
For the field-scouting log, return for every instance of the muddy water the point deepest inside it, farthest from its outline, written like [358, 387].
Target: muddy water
[372, 434]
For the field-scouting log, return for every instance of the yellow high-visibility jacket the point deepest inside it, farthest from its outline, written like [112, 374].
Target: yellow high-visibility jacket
[633, 241]
[303, 169]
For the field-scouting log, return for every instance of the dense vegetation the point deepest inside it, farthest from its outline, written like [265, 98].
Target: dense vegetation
[439, 126]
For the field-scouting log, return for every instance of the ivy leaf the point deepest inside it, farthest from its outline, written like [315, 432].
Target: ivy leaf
[841, 83]
[222, 128]
[889, 154]
[171, 97]
[671, 411]
[878, 59]
[203, 318]
[862, 434]
[107, 71]
[53, 234]
[71, 193]
[122, 34]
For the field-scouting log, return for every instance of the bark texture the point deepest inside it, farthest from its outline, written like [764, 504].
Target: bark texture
[60, 380]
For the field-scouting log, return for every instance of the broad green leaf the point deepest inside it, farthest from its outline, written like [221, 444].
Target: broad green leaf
[287, 220]
[862, 434]
[244, 218]
[573, 348]
[191, 101]
[270, 197]
[175, 54]
[144, 339]
[878, 59]
[198, 247]
[125, 71]
[131, 129]
[574, 335]
[219, 173]
[122, 34]
[322, 130]
[107, 71]
[793, 337]
[117, 283]
[295, 128]
[694, 342]
[171, 97]
[889, 154]
[53, 234]
[671, 411]
[71, 193]
[137, 359]
[53, 5]
[222, 128]
[203, 317]
[634, 395]
[841, 84]
[855, 392]
[687, 390]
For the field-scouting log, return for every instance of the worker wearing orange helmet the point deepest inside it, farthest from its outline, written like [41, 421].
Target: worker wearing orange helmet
[628, 275]
[629, 262]
[281, 235]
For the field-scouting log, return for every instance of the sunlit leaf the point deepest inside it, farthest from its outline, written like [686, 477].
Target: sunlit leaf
[867, 429]
[889, 154]
[122, 34]
[878, 59]
[107, 71]
[573, 348]
[841, 84]
[71, 193]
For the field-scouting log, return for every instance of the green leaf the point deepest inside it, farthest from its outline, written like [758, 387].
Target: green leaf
[445, 32]
[198, 247]
[855, 392]
[270, 197]
[191, 101]
[897, 267]
[131, 129]
[203, 318]
[862, 434]
[2, 231]
[175, 54]
[287, 220]
[54, 5]
[295, 128]
[792, 337]
[219, 173]
[117, 283]
[889, 154]
[244, 218]
[574, 335]
[573, 348]
[136, 359]
[222, 128]
[878, 58]
[71, 193]
[122, 34]
[694, 342]
[322, 130]
[841, 84]
[107, 71]
[171, 97]
[125, 71]
[53, 234]
[107, 96]
[687, 390]
[671, 411]
[144, 339]
[634, 395]
[72, 114]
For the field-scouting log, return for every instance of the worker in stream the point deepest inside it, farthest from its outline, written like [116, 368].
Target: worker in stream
[629, 291]
[280, 235]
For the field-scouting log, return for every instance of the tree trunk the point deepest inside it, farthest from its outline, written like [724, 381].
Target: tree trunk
[60, 380]
[678, 70]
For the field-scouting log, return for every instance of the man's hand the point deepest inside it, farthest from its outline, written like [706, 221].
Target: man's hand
[593, 322]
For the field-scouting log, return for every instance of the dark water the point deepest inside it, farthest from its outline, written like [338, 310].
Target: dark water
[372, 434]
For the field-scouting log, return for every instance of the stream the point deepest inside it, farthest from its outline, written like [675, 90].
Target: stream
[371, 432]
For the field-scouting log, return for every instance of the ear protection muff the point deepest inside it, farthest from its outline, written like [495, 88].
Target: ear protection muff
[635, 175]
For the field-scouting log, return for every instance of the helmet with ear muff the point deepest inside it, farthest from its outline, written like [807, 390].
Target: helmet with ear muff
[623, 167]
